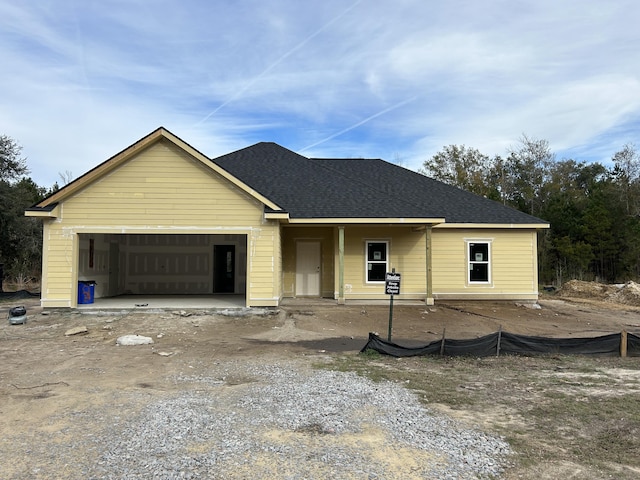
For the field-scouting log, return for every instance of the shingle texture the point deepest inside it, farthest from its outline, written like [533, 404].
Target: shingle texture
[358, 188]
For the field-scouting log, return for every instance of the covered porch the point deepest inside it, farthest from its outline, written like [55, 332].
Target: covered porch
[347, 263]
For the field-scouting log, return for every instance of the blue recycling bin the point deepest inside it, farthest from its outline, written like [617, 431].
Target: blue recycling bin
[86, 291]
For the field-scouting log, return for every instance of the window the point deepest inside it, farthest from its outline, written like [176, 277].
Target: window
[377, 261]
[479, 266]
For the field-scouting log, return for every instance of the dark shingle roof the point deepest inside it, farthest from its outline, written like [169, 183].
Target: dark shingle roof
[358, 188]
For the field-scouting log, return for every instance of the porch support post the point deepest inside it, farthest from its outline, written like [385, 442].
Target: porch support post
[341, 300]
[429, 297]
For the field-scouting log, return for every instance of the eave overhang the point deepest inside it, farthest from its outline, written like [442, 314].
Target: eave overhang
[526, 226]
[50, 211]
[284, 217]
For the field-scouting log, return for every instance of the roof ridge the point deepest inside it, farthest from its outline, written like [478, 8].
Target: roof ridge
[253, 146]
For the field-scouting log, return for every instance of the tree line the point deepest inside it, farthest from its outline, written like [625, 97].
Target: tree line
[20, 236]
[593, 209]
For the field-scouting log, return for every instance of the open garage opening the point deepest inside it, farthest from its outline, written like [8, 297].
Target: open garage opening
[164, 270]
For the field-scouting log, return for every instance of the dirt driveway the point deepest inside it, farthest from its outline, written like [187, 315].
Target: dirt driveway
[45, 374]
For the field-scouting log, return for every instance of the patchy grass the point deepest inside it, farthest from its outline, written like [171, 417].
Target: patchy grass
[563, 415]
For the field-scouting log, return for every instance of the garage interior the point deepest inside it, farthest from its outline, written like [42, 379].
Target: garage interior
[163, 270]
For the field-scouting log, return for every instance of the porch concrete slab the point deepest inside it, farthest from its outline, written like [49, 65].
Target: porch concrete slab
[309, 301]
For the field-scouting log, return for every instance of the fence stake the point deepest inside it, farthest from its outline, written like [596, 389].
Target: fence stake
[623, 343]
[499, 338]
[442, 342]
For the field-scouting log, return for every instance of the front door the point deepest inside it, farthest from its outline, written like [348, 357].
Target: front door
[224, 268]
[308, 269]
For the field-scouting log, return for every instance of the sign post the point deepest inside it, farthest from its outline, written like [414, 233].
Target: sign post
[391, 287]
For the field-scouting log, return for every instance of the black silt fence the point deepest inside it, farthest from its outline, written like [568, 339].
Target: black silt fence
[615, 344]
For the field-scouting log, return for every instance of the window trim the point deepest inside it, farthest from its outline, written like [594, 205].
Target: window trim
[378, 262]
[470, 261]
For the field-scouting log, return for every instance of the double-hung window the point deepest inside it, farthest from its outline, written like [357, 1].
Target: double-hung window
[479, 255]
[377, 260]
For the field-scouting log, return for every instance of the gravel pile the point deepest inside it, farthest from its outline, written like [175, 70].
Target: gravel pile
[280, 421]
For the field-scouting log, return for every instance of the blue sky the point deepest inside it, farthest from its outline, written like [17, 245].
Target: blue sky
[394, 79]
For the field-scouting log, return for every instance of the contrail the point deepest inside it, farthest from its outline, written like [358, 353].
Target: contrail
[362, 122]
[277, 62]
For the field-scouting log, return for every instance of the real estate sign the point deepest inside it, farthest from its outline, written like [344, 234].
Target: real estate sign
[392, 283]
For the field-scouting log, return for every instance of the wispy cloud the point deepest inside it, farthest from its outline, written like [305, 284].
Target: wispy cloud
[366, 78]
[358, 124]
[280, 60]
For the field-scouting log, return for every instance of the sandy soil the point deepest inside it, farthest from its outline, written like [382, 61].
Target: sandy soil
[46, 374]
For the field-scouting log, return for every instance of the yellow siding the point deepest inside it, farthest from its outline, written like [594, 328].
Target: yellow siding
[513, 264]
[277, 272]
[160, 190]
[407, 254]
[57, 266]
[264, 266]
[162, 186]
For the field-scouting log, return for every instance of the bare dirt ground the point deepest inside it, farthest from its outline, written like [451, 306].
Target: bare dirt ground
[47, 377]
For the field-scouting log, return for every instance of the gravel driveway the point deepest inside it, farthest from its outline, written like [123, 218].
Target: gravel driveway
[262, 421]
